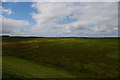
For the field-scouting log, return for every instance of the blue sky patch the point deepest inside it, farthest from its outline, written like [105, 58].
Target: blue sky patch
[21, 10]
[67, 19]
[92, 26]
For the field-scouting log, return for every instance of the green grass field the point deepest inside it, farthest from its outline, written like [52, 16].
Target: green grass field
[60, 58]
[18, 68]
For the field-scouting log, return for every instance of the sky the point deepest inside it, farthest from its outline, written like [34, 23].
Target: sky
[60, 19]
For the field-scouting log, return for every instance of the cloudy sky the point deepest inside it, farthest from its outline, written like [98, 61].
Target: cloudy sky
[60, 19]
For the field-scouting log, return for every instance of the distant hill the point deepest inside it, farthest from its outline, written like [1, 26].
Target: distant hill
[54, 37]
[5, 36]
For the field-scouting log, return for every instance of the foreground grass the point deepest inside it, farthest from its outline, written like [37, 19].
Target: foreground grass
[18, 68]
[85, 58]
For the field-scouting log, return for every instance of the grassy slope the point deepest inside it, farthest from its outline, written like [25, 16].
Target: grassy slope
[84, 57]
[18, 68]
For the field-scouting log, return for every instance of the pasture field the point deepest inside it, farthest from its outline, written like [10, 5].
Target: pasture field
[61, 57]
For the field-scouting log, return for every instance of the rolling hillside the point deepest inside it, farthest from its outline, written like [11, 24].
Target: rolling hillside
[18, 68]
[83, 58]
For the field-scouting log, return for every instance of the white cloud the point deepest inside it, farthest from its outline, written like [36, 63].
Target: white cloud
[7, 11]
[50, 20]
[59, 0]
[103, 15]
[12, 26]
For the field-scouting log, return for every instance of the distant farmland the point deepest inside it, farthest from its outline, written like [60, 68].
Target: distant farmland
[61, 57]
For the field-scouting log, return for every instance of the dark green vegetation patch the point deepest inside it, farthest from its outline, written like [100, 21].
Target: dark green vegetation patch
[72, 57]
